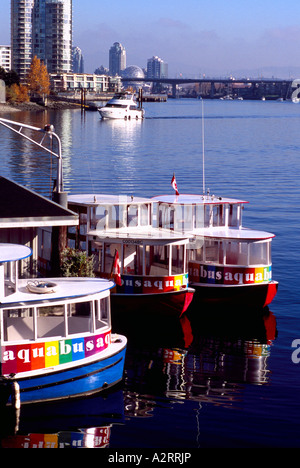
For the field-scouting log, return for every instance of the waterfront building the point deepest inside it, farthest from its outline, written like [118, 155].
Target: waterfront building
[42, 28]
[5, 57]
[78, 62]
[117, 59]
[21, 36]
[91, 82]
[157, 68]
[52, 34]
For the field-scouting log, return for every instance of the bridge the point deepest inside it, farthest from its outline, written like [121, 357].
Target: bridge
[271, 88]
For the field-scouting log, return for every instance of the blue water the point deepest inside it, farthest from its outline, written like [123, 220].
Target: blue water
[233, 384]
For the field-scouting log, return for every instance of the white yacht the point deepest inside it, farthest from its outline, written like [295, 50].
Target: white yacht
[122, 106]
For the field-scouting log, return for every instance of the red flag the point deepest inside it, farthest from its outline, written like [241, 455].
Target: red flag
[174, 184]
[116, 271]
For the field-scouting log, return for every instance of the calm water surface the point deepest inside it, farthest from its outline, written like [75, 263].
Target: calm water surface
[217, 381]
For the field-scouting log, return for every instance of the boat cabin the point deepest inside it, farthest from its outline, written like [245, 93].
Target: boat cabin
[222, 250]
[121, 227]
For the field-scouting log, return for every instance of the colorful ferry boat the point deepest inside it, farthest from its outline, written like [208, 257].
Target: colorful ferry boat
[56, 339]
[227, 263]
[147, 264]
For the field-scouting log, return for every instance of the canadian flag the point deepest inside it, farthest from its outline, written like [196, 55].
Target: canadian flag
[116, 271]
[174, 184]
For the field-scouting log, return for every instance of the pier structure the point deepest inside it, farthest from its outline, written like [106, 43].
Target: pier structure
[214, 88]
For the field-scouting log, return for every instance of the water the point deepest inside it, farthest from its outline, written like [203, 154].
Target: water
[233, 383]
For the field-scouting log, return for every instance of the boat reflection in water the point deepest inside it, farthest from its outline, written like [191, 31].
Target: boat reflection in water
[207, 360]
[82, 423]
[221, 356]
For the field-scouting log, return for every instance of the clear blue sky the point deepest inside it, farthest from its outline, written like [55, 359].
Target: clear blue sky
[195, 37]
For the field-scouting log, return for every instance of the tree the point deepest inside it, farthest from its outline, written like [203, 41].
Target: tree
[38, 78]
[17, 93]
[76, 263]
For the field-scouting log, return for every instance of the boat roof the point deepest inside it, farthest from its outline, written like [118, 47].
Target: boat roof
[13, 252]
[67, 288]
[194, 199]
[133, 235]
[239, 234]
[96, 199]
[21, 207]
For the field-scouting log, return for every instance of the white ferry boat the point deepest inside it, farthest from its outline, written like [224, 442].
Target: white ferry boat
[147, 264]
[56, 339]
[122, 106]
[227, 263]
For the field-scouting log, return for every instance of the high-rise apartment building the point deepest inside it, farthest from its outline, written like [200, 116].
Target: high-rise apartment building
[157, 68]
[78, 63]
[52, 34]
[42, 28]
[21, 36]
[5, 57]
[117, 59]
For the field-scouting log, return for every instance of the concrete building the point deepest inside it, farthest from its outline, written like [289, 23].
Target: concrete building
[42, 28]
[21, 36]
[117, 59]
[157, 68]
[5, 57]
[91, 82]
[52, 34]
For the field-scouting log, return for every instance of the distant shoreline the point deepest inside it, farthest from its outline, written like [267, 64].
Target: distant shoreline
[32, 106]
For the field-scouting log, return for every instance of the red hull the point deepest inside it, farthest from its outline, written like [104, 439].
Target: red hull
[171, 304]
[259, 295]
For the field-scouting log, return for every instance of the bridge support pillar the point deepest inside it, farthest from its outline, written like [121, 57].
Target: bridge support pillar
[174, 90]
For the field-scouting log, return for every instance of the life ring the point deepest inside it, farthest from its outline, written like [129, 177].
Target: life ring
[41, 287]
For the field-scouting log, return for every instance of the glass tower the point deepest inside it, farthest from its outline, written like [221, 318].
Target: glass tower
[117, 59]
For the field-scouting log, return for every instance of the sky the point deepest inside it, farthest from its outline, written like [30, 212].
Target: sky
[195, 37]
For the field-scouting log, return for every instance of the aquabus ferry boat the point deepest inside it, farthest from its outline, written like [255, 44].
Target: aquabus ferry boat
[56, 338]
[227, 263]
[148, 264]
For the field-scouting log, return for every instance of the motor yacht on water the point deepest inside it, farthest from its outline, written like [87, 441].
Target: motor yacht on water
[56, 340]
[227, 263]
[122, 106]
[118, 231]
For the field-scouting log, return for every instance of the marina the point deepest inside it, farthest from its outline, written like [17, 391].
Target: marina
[219, 378]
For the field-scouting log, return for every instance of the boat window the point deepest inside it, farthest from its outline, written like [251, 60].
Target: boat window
[166, 217]
[117, 106]
[99, 217]
[177, 259]
[213, 251]
[259, 253]
[79, 317]
[236, 253]
[184, 218]
[199, 216]
[133, 259]
[18, 324]
[102, 312]
[218, 215]
[116, 217]
[233, 215]
[158, 260]
[50, 321]
[144, 215]
[132, 215]
[207, 215]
